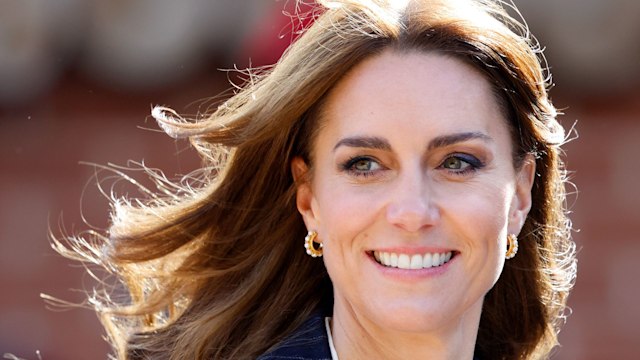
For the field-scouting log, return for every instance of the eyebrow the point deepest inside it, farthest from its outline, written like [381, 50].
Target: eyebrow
[371, 142]
[446, 140]
[374, 142]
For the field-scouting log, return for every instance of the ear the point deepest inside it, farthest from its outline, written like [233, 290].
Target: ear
[304, 192]
[521, 203]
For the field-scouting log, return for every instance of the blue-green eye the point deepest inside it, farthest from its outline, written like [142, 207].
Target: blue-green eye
[361, 165]
[461, 163]
[364, 165]
[455, 163]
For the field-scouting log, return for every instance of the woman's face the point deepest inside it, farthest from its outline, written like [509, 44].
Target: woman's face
[413, 191]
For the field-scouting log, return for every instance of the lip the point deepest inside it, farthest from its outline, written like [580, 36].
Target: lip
[413, 274]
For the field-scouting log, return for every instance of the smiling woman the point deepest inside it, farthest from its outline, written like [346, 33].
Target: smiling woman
[416, 148]
[412, 200]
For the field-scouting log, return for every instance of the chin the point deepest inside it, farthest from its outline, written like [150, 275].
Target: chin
[414, 318]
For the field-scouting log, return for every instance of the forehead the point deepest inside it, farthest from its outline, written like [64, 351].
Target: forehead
[413, 89]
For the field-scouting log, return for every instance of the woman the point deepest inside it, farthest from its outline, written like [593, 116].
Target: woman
[413, 147]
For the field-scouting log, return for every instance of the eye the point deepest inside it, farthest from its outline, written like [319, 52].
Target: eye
[455, 163]
[461, 163]
[361, 166]
[365, 165]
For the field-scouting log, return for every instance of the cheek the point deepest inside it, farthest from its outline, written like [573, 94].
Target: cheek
[345, 211]
[478, 221]
[480, 211]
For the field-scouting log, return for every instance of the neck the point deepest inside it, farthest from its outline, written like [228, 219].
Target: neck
[357, 337]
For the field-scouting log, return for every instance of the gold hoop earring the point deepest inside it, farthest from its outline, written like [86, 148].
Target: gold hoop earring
[512, 246]
[309, 242]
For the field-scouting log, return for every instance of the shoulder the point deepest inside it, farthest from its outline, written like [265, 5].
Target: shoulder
[309, 342]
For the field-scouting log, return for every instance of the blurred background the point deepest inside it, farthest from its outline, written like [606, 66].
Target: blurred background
[78, 79]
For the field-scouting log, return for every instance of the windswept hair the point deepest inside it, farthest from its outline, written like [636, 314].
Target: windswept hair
[215, 269]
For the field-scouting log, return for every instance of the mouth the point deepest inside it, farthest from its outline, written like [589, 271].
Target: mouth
[412, 261]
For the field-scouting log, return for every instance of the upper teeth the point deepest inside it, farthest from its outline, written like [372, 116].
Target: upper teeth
[416, 261]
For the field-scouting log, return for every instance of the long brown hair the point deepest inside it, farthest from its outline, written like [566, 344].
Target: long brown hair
[217, 270]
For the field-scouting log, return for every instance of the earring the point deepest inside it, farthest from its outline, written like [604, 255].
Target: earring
[512, 246]
[309, 241]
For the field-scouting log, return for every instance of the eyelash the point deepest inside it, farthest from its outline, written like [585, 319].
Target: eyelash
[473, 164]
[349, 166]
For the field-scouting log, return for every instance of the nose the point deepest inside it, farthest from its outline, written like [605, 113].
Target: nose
[410, 206]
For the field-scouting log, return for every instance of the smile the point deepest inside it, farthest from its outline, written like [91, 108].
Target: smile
[414, 262]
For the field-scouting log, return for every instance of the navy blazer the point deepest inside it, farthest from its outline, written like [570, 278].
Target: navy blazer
[309, 342]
